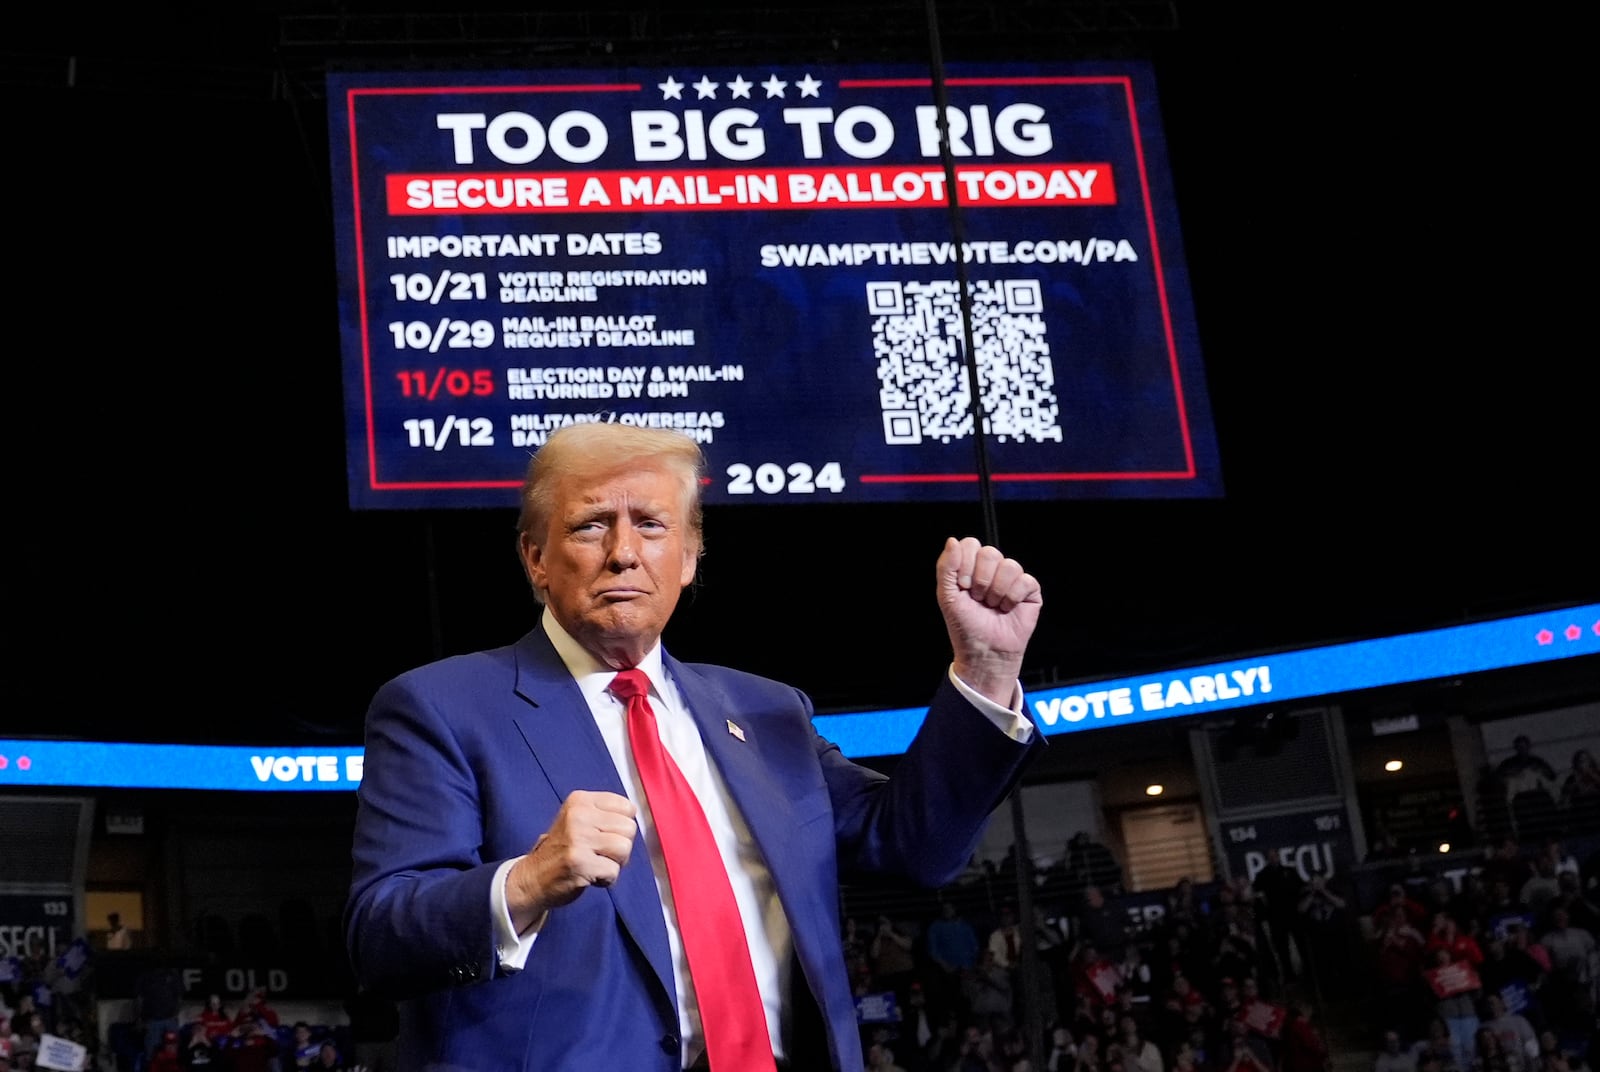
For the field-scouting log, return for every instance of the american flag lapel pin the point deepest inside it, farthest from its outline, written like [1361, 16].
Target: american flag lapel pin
[735, 730]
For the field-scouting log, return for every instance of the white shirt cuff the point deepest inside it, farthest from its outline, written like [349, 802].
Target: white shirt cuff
[1008, 720]
[511, 949]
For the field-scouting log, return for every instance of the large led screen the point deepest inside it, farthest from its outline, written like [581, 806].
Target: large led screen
[767, 259]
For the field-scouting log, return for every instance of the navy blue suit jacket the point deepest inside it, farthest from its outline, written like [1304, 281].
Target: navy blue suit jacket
[469, 759]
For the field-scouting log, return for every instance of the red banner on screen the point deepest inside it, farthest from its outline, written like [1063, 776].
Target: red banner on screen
[732, 189]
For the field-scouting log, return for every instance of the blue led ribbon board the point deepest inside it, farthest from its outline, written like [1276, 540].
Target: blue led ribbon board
[1524, 640]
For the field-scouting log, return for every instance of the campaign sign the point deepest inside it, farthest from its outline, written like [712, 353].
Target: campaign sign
[1459, 977]
[878, 1008]
[61, 1054]
[781, 262]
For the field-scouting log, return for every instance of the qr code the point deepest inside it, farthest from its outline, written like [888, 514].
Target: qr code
[919, 343]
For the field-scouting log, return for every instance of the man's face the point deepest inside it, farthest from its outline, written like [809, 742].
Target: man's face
[615, 557]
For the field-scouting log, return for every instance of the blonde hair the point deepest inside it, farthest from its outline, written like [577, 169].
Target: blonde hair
[600, 445]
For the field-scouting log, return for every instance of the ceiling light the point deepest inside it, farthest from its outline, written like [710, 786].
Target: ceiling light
[1393, 765]
[1154, 790]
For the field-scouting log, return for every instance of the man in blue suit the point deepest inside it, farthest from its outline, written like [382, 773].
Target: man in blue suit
[508, 882]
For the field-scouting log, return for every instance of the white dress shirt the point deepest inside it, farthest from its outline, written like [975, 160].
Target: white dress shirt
[766, 928]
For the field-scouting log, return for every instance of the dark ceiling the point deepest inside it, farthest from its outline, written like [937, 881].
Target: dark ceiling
[1379, 213]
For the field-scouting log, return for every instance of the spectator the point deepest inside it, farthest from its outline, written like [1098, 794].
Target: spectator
[1391, 1057]
[1542, 886]
[1530, 786]
[118, 937]
[25, 1040]
[1505, 911]
[1580, 793]
[1506, 863]
[166, 1058]
[1095, 977]
[880, 1058]
[1325, 923]
[256, 1008]
[1438, 1048]
[1277, 889]
[1505, 964]
[1489, 1054]
[1183, 905]
[1398, 962]
[1101, 924]
[1243, 1051]
[1305, 1048]
[1184, 1058]
[919, 1031]
[1237, 952]
[952, 946]
[328, 1059]
[214, 1019]
[1440, 896]
[1447, 935]
[1014, 1056]
[1520, 938]
[251, 1046]
[1005, 940]
[303, 1049]
[943, 1051]
[1455, 987]
[1062, 1051]
[1515, 1034]
[977, 1046]
[1089, 863]
[1089, 1057]
[158, 996]
[1471, 901]
[1181, 955]
[1051, 939]
[1557, 1058]
[1581, 910]
[1137, 980]
[1399, 903]
[856, 943]
[988, 992]
[200, 1050]
[893, 967]
[1510, 970]
[1139, 1054]
[1572, 956]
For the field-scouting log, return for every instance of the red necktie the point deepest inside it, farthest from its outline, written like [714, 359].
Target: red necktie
[732, 1015]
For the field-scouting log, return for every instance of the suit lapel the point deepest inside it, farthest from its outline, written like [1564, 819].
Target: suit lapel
[750, 782]
[565, 742]
[764, 799]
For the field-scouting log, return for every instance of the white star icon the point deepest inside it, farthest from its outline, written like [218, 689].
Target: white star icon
[740, 87]
[671, 89]
[706, 88]
[774, 86]
[808, 86]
